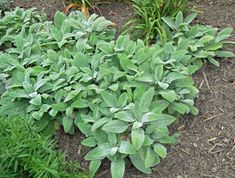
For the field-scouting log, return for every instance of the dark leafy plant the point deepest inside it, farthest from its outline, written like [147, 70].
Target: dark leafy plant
[24, 153]
[121, 94]
[148, 23]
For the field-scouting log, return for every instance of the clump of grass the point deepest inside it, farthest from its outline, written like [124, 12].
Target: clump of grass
[5, 5]
[25, 153]
[148, 23]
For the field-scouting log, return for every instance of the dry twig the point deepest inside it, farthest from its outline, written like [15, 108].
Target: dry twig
[212, 117]
[206, 80]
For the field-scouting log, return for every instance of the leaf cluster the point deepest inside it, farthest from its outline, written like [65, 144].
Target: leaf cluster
[121, 94]
[13, 22]
[201, 42]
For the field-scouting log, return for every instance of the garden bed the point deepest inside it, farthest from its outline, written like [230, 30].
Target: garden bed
[207, 144]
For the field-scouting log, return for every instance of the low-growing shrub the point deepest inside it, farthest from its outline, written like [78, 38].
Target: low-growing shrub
[121, 94]
[24, 153]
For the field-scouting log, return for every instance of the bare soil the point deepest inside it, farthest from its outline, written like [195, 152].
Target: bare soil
[207, 143]
[47, 6]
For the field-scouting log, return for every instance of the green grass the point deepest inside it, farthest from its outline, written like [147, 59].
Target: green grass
[147, 23]
[25, 153]
[4, 5]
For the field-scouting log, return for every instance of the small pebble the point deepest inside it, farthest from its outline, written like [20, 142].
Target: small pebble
[195, 145]
[214, 169]
[226, 140]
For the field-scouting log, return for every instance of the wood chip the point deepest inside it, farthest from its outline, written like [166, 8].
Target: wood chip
[212, 139]
[217, 151]
[185, 151]
[180, 128]
[201, 84]
[212, 117]
[212, 148]
[206, 80]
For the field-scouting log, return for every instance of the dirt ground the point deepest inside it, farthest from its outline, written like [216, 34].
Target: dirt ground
[207, 144]
[47, 6]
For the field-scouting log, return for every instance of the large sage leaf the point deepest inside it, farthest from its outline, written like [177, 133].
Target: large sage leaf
[99, 123]
[150, 158]
[127, 148]
[115, 126]
[118, 168]
[125, 116]
[93, 167]
[109, 99]
[99, 152]
[67, 124]
[139, 164]
[169, 95]
[146, 100]
[137, 137]
[160, 150]
[150, 117]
